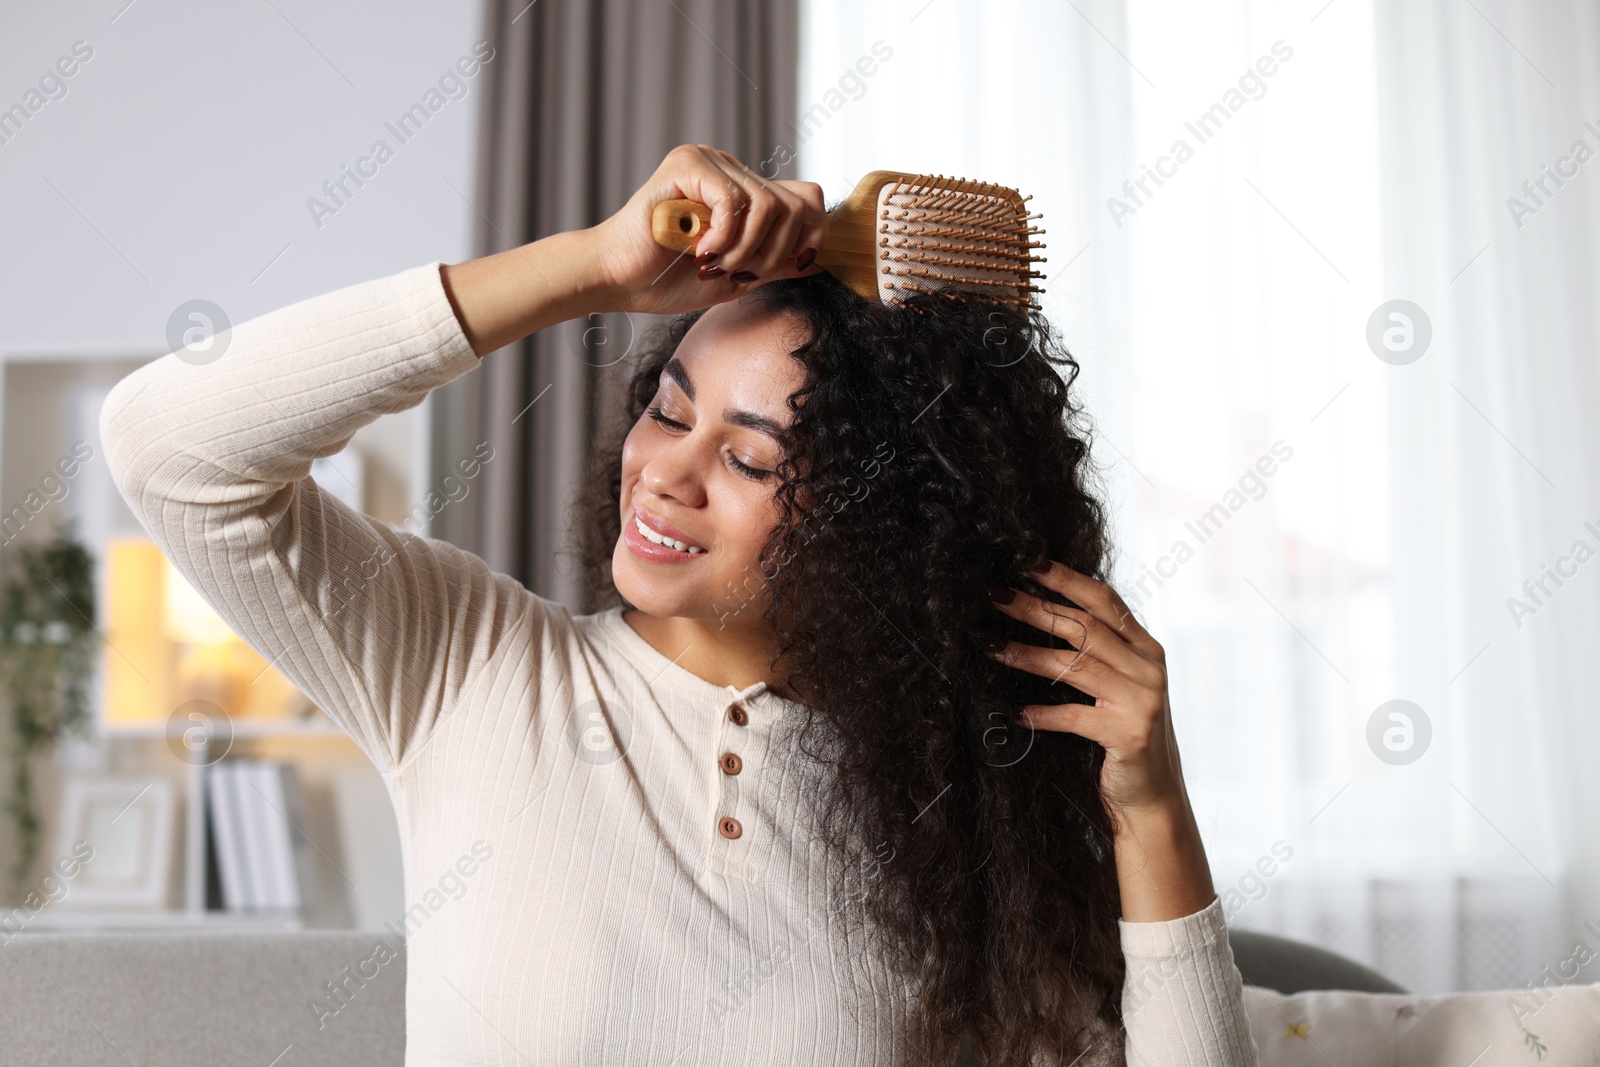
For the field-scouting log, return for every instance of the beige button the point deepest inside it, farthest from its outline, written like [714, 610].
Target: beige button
[731, 763]
[729, 827]
[737, 715]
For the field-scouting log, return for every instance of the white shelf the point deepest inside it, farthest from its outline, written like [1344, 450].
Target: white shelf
[81, 355]
[48, 921]
[241, 728]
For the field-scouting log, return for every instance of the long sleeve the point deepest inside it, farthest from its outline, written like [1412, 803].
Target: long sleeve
[1183, 998]
[380, 627]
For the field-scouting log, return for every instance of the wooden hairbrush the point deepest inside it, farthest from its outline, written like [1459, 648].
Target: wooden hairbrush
[898, 234]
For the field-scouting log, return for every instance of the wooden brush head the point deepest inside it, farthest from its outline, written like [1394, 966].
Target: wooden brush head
[897, 234]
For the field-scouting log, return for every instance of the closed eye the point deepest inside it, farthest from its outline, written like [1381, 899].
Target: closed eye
[656, 414]
[753, 473]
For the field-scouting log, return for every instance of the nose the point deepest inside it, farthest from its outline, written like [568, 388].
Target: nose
[675, 471]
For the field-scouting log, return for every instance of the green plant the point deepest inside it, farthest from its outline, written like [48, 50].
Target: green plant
[47, 638]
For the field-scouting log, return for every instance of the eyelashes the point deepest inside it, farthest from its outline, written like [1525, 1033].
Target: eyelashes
[755, 474]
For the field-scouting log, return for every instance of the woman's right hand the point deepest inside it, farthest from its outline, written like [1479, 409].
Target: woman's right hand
[758, 229]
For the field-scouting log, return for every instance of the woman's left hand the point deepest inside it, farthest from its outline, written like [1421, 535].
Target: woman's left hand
[1119, 664]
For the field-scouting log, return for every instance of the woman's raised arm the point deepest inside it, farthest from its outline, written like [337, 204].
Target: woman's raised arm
[509, 295]
[383, 628]
[758, 229]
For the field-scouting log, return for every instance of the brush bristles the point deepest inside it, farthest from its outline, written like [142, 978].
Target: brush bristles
[954, 236]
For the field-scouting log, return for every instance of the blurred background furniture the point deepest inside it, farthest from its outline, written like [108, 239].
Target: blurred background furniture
[1290, 966]
[200, 998]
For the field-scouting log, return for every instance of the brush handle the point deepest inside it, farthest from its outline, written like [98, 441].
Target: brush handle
[847, 254]
[678, 224]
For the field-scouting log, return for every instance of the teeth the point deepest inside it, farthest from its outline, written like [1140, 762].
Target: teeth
[655, 538]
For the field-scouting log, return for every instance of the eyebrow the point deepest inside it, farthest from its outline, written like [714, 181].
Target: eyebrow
[748, 419]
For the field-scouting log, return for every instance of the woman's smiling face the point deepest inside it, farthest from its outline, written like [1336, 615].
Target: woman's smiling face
[699, 466]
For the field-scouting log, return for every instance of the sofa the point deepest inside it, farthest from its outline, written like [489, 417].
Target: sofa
[210, 998]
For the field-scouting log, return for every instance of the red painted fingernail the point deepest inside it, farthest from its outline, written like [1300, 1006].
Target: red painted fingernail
[803, 260]
[709, 272]
[1042, 568]
[992, 642]
[744, 276]
[1002, 594]
[705, 257]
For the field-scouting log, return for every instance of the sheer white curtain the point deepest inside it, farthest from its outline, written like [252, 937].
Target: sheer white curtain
[1315, 524]
[1497, 469]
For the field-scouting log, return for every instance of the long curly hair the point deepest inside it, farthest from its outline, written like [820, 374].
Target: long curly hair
[935, 449]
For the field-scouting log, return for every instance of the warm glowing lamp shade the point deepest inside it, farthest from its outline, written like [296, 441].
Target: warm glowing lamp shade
[167, 646]
[187, 617]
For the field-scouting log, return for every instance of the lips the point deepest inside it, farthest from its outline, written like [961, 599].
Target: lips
[663, 528]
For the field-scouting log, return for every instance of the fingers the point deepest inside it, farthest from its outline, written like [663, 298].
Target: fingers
[764, 226]
[813, 222]
[1080, 719]
[1081, 630]
[758, 226]
[1082, 670]
[697, 173]
[1105, 604]
[777, 249]
[802, 224]
[1075, 667]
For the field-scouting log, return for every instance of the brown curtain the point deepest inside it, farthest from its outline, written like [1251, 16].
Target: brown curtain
[583, 99]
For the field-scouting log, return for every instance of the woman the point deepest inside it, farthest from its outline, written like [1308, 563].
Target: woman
[776, 804]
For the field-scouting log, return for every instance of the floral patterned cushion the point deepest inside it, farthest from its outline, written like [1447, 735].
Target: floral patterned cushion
[1551, 1025]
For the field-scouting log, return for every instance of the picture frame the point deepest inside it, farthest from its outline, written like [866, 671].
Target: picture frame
[130, 824]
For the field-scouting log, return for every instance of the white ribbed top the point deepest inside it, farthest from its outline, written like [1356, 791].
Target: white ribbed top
[559, 783]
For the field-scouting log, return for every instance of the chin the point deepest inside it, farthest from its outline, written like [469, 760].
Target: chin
[668, 592]
[652, 593]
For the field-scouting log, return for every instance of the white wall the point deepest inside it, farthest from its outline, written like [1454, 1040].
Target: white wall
[179, 161]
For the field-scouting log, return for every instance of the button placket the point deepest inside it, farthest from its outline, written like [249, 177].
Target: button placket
[733, 841]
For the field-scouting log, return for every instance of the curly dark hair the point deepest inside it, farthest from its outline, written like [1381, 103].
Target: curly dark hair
[935, 449]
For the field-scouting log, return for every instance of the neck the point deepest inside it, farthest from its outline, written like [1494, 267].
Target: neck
[731, 655]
